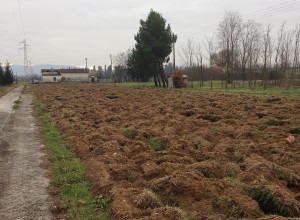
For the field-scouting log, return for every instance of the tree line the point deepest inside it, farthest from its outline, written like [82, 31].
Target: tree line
[245, 51]
[238, 50]
[6, 74]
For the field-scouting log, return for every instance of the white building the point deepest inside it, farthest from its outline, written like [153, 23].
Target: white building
[75, 75]
[67, 75]
[51, 75]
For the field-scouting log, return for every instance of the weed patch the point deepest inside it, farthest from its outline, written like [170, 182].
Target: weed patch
[275, 151]
[148, 199]
[274, 123]
[16, 106]
[69, 174]
[131, 176]
[269, 203]
[211, 117]
[214, 130]
[130, 133]
[102, 202]
[159, 144]
[232, 116]
[226, 204]
[294, 131]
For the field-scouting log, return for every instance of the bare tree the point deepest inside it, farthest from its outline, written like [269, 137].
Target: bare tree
[245, 43]
[187, 53]
[266, 52]
[254, 49]
[210, 48]
[296, 52]
[199, 58]
[229, 31]
[278, 51]
[285, 57]
[121, 66]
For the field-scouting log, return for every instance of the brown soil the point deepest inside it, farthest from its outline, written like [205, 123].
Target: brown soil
[218, 146]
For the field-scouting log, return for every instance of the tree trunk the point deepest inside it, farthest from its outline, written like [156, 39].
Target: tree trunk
[155, 80]
[201, 70]
[158, 80]
[163, 77]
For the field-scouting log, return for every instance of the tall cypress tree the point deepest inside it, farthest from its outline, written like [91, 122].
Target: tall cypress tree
[1, 75]
[8, 74]
[153, 46]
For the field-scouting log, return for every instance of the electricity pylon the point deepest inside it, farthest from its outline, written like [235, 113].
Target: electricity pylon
[24, 47]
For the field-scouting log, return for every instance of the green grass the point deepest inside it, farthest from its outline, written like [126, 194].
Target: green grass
[218, 86]
[16, 106]
[131, 176]
[214, 130]
[69, 175]
[8, 88]
[232, 116]
[136, 84]
[157, 144]
[130, 133]
[274, 123]
[275, 151]
[225, 203]
[294, 131]
[269, 203]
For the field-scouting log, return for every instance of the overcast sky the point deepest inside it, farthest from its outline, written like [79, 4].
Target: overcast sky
[66, 31]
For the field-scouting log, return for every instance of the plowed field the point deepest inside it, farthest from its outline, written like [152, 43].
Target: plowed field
[172, 154]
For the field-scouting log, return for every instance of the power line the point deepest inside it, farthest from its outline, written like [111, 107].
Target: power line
[276, 11]
[14, 14]
[21, 18]
[256, 15]
[274, 6]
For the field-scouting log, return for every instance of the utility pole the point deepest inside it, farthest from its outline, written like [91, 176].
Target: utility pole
[105, 73]
[174, 40]
[112, 78]
[173, 55]
[86, 63]
[30, 70]
[24, 47]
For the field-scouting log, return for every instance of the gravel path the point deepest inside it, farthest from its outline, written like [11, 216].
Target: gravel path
[23, 186]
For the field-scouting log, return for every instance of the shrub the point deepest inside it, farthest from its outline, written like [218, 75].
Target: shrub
[294, 131]
[226, 204]
[275, 151]
[102, 202]
[159, 144]
[130, 133]
[268, 202]
[131, 176]
[274, 123]
[214, 130]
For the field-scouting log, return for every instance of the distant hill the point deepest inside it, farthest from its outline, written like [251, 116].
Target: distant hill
[37, 68]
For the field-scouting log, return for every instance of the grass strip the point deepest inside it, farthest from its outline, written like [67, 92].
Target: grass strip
[69, 174]
[7, 88]
[220, 87]
[269, 203]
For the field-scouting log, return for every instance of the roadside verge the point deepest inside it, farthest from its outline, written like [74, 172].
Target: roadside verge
[68, 184]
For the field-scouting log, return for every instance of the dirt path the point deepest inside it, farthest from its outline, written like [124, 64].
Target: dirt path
[23, 193]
